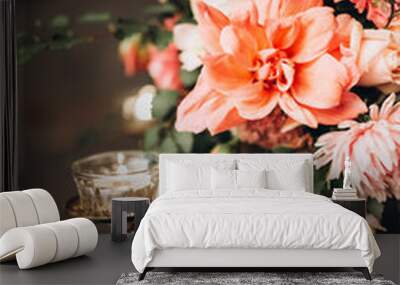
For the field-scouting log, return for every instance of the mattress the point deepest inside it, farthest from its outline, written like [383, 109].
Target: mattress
[250, 219]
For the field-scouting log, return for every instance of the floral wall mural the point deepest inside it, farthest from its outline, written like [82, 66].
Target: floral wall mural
[264, 76]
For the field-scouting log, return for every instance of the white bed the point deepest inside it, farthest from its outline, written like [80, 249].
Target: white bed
[249, 227]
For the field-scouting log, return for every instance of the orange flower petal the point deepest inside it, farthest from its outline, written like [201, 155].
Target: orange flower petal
[211, 22]
[297, 112]
[317, 30]
[254, 102]
[283, 32]
[309, 90]
[291, 7]
[204, 108]
[223, 116]
[192, 111]
[225, 73]
[246, 25]
[238, 42]
[283, 8]
[350, 107]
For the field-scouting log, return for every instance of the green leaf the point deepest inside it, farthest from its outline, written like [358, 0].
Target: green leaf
[222, 148]
[184, 140]
[164, 103]
[160, 9]
[281, 149]
[189, 78]
[223, 137]
[63, 41]
[152, 138]
[375, 208]
[168, 145]
[95, 17]
[60, 22]
[203, 142]
[320, 183]
[163, 38]
[183, 6]
[125, 28]
[28, 51]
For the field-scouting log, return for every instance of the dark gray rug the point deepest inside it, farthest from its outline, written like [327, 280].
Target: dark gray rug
[243, 278]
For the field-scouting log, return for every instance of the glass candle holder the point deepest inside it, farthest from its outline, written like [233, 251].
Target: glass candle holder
[104, 176]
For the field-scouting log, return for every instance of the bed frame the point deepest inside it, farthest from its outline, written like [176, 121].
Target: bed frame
[242, 259]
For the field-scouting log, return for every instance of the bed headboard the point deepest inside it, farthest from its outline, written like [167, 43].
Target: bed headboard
[164, 158]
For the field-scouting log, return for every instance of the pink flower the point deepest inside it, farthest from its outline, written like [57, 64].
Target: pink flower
[164, 68]
[170, 22]
[378, 11]
[393, 182]
[291, 61]
[133, 55]
[372, 55]
[379, 59]
[373, 147]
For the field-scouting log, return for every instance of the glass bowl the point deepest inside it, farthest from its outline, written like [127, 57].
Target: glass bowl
[104, 176]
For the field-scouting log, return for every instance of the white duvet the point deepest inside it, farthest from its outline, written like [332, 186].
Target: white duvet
[250, 219]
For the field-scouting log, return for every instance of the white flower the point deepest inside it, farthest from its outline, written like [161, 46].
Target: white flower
[187, 39]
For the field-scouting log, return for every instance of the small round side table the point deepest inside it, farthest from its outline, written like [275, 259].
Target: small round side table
[122, 207]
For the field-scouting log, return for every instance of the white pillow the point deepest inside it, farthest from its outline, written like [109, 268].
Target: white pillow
[281, 174]
[251, 178]
[227, 179]
[223, 179]
[188, 175]
[291, 180]
[181, 178]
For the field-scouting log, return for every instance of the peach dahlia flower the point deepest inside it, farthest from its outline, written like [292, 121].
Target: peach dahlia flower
[373, 147]
[291, 60]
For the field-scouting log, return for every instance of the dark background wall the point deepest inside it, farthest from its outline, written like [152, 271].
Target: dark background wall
[70, 101]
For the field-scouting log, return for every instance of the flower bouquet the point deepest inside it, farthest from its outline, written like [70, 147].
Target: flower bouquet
[276, 76]
[282, 75]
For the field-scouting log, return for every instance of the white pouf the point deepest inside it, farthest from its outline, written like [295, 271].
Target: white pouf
[23, 208]
[45, 205]
[67, 237]
[87, 233]
[31, 232]
[7, 219]
[32, 246]
[26, 208]
[37, 245]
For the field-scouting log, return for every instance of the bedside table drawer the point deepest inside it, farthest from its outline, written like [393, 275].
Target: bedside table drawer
[356, 206]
